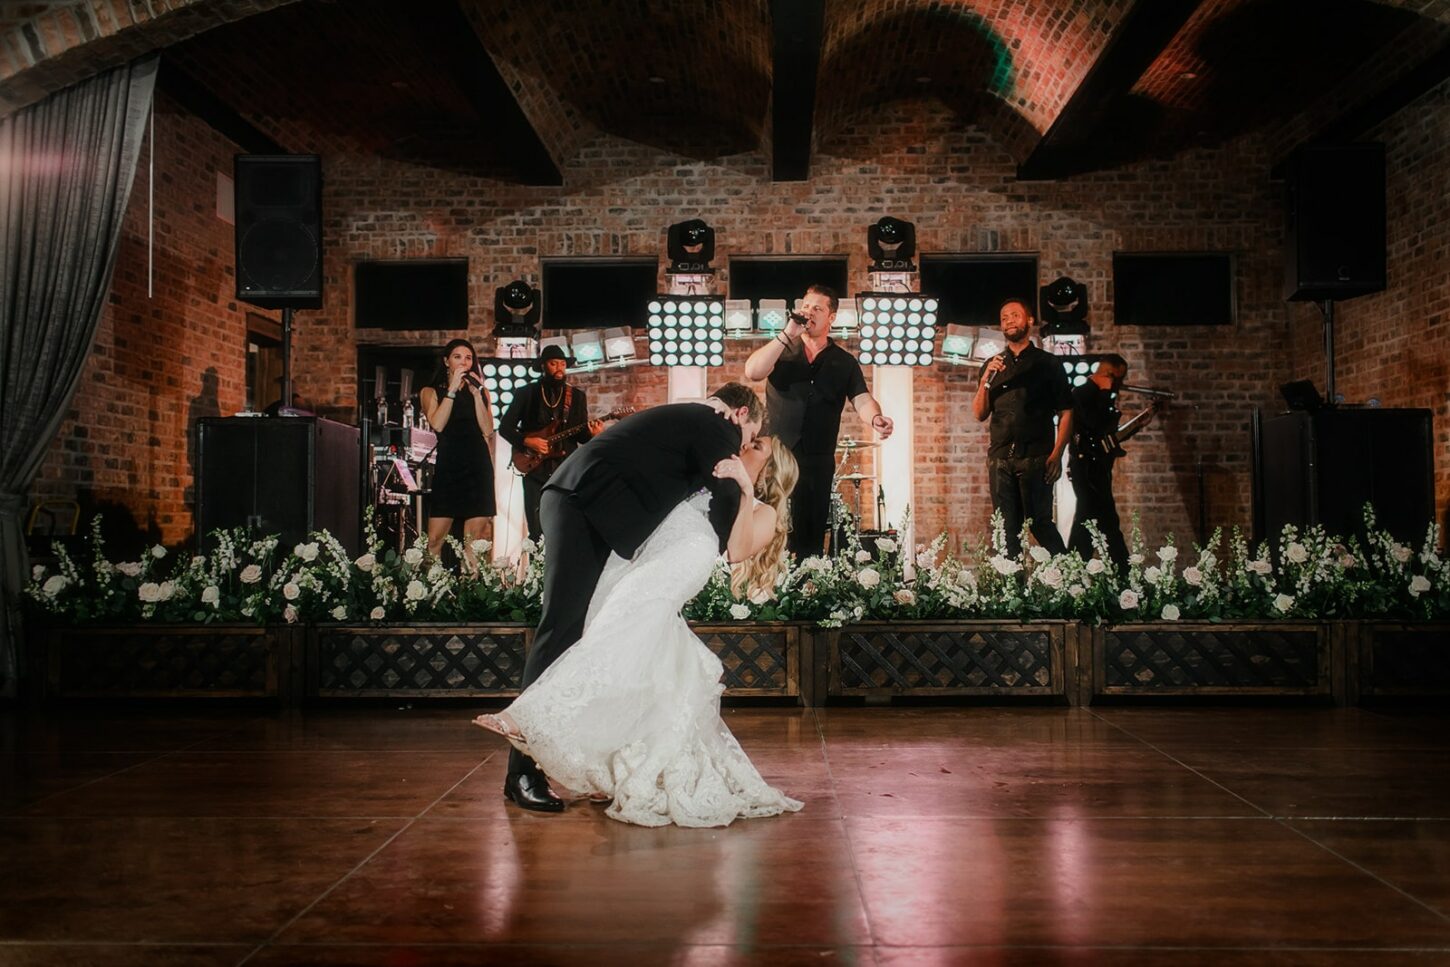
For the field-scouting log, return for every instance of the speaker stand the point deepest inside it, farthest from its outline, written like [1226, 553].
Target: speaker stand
[286, 403]
[1326, 309]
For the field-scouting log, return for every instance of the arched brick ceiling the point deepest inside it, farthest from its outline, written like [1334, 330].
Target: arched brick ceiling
[689, 77]
[1028, 55]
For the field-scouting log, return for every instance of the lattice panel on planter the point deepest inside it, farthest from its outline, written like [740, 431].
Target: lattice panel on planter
[418, 659]
[756, 659]
[926, 661]
[1407, 660]
[157, 661]
[1225, 659]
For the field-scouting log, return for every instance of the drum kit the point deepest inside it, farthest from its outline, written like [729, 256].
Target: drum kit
[847, 473]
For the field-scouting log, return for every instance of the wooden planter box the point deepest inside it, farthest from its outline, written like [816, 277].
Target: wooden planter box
[1204, 659]
[981, 659]
[171, 661]
[1389, 660]
[416, 660]
[765, 659]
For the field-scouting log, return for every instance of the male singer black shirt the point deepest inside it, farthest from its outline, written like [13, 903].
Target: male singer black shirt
[1026, 396]
[805, 397]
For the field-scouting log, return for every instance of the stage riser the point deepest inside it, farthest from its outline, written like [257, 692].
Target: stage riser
[1062, 662]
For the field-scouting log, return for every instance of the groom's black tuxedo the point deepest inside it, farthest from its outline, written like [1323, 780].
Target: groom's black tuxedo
[610, 495]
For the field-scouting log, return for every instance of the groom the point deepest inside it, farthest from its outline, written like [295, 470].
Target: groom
[609, 496]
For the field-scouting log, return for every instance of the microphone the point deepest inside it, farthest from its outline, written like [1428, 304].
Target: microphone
[992, 376]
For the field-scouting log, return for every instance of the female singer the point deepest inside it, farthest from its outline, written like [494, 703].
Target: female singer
[457, 408]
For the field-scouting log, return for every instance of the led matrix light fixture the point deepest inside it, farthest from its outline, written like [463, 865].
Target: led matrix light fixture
[686, 331]
[503, 378]
[897, 329]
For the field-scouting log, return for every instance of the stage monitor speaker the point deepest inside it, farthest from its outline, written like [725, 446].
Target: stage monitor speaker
[279, 230]
[1322, 467]
[287, 476]
[1335, 233]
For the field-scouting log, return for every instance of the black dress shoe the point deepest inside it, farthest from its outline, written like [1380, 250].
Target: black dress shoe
[531, 792]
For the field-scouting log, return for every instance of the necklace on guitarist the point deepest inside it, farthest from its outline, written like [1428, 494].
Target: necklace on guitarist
[545, 394]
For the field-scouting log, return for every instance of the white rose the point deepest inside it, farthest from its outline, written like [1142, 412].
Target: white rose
[760, 596]
[739, 611]
[308, 552]
[290, 613]
[56, 583]
[1039, 554]
[251, 574]
[167, 590]
[413, 556]
[1346, 561]
[158, 552]
[37, 572]
[150, 592]
[1170, 612]
[1260, 567]
[1207, 560]
[1135, 558]
[416, 591]
[291, 591]
[211, 594]
[1095, 566]
[817, 563]
[1167, 553]
[1128, 600]
[1005, 565]
[480, 547]
[1153, 574]
[366, 563]
[339, 613]
[1050, 576]
[887, 544]
[1402, 553]
[1284, 603]
[1296, 552]
[862, 556]
[868, 577]
[1419, 584]
[905, 596]
[926, 560]
[528, 546]
[1193, 576]
[377, 613]
[1075, 590]
[129, 568]
[437, 573]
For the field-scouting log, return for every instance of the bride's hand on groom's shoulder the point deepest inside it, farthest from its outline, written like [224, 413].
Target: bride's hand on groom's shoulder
[733, 468]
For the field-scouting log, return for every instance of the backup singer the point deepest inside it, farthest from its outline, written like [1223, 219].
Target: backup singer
[810, 378]
[1095, 438]
[549, 402]
[457, 408]
[1021, 390]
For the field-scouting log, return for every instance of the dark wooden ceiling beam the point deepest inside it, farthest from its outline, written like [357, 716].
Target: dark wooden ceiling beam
[200, 101]
[1140, 37]
[446, 30]
[797, 28]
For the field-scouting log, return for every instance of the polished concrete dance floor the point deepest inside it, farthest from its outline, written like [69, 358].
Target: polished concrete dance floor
[1128, 836]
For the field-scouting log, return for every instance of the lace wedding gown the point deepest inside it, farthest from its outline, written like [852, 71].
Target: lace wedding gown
[632, 709]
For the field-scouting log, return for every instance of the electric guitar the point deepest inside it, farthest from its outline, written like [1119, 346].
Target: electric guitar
[1111, 443]
[526, 460]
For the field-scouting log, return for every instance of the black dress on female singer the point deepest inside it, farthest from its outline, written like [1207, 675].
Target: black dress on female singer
[463, 471]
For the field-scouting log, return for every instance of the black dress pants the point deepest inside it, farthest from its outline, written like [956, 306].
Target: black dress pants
[1092, 483]
[1021, 491]
[533, 493]
[810, 504]
[576, 557]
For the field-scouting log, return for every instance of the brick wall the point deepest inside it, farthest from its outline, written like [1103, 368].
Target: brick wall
[127, 441]
[1394, 346]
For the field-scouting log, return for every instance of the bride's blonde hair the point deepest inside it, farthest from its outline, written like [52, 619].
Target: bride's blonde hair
[777, 479]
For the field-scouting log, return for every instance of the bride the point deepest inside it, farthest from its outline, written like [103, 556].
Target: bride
[631, 712]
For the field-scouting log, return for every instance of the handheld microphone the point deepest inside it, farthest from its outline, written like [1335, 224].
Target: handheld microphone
[992, 376]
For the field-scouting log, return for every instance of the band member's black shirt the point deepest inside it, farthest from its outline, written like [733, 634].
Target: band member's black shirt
[805, 397]
[1094, 416]
[1025, 397]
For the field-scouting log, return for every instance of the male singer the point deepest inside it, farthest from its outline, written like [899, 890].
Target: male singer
[810, 380]
[1021, 389]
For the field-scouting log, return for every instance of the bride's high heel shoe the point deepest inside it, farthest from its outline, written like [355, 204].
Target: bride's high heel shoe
[500, 724]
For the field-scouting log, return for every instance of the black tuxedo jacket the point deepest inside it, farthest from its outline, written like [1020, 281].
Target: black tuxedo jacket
[626, 481]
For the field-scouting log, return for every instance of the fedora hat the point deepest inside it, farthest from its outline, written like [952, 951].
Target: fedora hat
[552, 351]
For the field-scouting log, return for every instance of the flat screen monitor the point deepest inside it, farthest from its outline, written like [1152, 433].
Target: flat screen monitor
[411, 294]
[757, 277]
[972, 288]
[598, 293]
[1173, 289]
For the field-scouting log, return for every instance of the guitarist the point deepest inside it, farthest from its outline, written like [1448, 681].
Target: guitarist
[550, 403]
[1095, 438]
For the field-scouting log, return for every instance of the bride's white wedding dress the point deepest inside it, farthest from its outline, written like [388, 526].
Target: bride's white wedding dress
[632, 710]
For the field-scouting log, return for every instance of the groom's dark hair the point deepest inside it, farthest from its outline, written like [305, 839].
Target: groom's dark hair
[736, 395]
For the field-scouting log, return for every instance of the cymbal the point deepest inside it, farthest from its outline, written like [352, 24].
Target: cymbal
[850, 444]
[858, 477]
